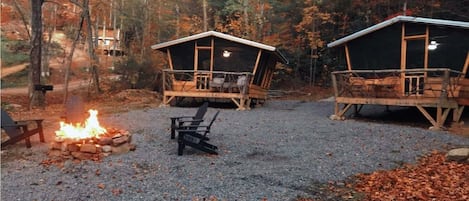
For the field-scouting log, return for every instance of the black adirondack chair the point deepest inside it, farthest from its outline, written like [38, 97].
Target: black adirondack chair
[196, 136]
[19, 130]
[178, 122]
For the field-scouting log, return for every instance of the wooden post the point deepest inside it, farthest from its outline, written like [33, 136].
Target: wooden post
[212, 48]
[334, 85]
[256, 65]
[403, 57]
[347, 56]
[168, 53]
[466, 65]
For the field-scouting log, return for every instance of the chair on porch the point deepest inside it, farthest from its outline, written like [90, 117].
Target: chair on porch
[19, 130]
[196, 137]
[178, 122]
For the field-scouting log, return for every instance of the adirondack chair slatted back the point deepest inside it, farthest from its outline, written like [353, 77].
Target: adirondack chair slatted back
[201, 111]
[199, 115]
[11, 130]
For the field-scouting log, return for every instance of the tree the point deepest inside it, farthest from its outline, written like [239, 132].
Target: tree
[36, 96]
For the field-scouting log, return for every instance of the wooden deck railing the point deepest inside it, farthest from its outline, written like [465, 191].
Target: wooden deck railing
[431, 83]
[208, 81]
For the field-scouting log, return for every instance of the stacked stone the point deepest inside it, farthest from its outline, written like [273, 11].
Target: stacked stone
[115, 141]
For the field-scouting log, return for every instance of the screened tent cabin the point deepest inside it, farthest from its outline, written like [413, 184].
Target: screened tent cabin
[217, 65]
[406, 61]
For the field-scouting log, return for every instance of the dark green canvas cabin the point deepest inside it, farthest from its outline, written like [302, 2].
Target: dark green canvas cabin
[406, 61]
[217, 65]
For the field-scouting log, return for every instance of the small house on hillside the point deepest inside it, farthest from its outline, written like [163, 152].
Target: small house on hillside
[406, 61]
[217, 65]
[108, 42]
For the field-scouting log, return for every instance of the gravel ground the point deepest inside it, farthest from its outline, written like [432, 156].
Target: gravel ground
[275, 152]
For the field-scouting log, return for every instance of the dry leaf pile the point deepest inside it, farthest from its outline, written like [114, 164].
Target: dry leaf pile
[433, 178]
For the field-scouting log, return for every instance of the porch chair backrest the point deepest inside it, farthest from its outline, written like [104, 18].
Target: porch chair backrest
[7, 122]
[199, 115]
[242, 80]
[201, 111]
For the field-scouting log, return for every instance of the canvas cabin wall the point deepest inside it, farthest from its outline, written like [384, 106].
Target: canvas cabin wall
[218, 66]
[391, 64]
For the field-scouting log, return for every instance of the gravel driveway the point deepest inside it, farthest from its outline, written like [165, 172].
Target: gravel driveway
[275, 152]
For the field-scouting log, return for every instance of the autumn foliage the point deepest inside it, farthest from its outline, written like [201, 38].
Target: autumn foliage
[433, 178]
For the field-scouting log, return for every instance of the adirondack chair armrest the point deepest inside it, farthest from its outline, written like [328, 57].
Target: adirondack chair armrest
[193, 120]
[30, 120]
[182, 117]
[14, 125]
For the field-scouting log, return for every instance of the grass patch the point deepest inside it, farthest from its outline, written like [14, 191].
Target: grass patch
[19, 79]
[14, 52]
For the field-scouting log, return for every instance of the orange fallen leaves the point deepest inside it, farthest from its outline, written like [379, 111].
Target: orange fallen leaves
[433, 178]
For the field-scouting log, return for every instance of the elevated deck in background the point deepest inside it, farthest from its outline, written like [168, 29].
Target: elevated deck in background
[234, 86]
[443, 89]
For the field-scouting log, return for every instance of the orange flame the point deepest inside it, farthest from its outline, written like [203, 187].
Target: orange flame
[91, 128]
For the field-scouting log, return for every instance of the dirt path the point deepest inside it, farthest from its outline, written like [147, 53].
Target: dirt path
[13, 69]
[57, 87]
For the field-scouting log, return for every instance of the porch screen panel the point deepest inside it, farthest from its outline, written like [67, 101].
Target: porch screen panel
[182, 57]
[242, 58]
[377, 50]
[451, 50]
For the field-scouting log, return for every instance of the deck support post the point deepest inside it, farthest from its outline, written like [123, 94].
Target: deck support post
[441, 115]
[457, 113]
[339, 114]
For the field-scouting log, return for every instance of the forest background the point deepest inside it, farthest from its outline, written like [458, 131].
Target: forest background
[300, 29]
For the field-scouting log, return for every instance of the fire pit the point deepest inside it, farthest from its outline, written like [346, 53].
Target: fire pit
[89, 141]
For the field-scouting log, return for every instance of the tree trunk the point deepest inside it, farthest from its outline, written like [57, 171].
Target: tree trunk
[246, 18]
[178, 26]
[91, 52]
[23, 18]
[36, 97]
[204, 5]
[70, 58]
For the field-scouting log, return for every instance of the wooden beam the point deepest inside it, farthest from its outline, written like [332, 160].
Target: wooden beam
[425, 61]
[204, 47]
[256, 65]
[416, 37]
[427, 115]
[212, 48]
[168, 53]
[343, 111]
[412, 101]
[403, 57]
[347, 57]
[196, 58]
[457, 113]
[466, 65]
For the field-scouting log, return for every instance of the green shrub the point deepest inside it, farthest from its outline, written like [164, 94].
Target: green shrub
[14, 52]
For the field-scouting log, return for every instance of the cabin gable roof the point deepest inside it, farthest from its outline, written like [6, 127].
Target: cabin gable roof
[384, 24]
[268, 48]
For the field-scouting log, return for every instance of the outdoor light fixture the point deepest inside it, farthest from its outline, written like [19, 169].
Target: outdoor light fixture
[226, 53]
[433, 45]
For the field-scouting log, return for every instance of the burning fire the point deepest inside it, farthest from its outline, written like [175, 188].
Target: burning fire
[90, 129]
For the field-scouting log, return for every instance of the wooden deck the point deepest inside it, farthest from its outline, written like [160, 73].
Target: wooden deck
[443, 89]
[235, 86]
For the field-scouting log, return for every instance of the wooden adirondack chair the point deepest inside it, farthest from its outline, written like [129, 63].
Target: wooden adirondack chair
[178, 122]
[19, 130]
[196, 137]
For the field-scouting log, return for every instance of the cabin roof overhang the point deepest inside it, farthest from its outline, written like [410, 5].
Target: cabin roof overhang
[430, 21]
[164, 45]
